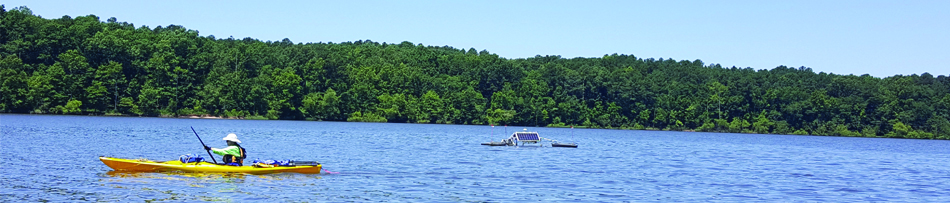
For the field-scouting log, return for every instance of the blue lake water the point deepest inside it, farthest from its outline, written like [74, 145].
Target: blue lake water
[55, 158]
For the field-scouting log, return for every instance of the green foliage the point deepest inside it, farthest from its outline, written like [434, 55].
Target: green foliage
[842, 130]
[587, 123]
[869, 131]
[431, 107]
[800, 132]
[738, 125]
[321, 105]
[127, 105]
[762, 124]
[556, 122]
[84, 65]
[365, 117]
[707, 127]
[234, 113]
[940, 126]
[500, 116]
[72, 107]
[782, 127]
[13, 85]
[901, 130]
[256, 117]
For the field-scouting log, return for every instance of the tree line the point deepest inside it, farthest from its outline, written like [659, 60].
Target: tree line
[83, 65]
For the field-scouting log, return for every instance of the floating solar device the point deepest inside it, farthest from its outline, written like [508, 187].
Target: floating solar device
[526, 137]
[523, 138]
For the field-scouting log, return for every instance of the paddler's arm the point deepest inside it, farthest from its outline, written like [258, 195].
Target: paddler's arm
[232, 150]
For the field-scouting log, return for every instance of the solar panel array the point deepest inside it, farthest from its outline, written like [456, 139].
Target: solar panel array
[527, 136]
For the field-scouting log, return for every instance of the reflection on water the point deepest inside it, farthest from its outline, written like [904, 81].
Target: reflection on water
[123, 174]
[206, 177]
[215, 185]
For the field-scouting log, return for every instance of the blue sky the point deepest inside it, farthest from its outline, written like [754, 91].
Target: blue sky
[880, 38]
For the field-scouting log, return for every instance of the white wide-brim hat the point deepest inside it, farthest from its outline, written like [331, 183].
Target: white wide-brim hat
[232, 137]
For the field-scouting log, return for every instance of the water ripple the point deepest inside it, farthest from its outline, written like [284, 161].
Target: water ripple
[53, 158]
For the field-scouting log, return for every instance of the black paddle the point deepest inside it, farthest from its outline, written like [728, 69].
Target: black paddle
[203, 144]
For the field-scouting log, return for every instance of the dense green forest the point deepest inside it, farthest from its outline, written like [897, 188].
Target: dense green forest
[83, 65]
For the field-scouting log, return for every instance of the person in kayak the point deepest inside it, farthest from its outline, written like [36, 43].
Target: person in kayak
[234, 154]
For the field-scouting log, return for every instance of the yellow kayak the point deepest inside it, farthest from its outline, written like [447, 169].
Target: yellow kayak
[133, 165]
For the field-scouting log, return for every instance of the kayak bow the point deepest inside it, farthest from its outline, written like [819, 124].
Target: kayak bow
[133, 165]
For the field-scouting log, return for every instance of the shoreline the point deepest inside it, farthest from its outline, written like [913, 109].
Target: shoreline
[128, 115]
[579, 127]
